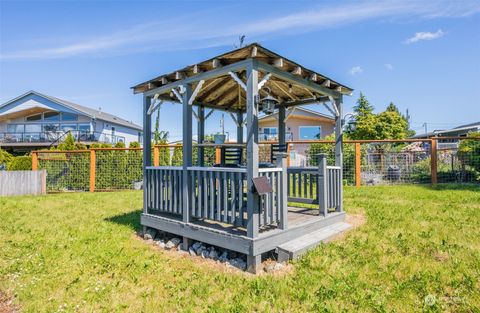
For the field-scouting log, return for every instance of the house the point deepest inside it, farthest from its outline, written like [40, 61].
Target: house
[34, 120]
[459, 131]
[301, 125]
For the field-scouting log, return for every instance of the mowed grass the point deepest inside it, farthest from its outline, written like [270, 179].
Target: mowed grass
[418, 250]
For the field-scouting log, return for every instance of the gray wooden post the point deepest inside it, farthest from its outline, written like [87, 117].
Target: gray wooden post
[147, 145]
[281, 125]
[322, 184]
[147, 149]
[253, 261]
[201, 135]
[239, 127]
[187, 156]
[283, 205]
[339, 147]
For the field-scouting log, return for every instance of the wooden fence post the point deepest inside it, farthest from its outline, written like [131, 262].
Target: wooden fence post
[288, 154]
[433, 160]
[34, 161]
[322, 184]
[92, 169]
[218, 155]
[156, 156]
[358, 164]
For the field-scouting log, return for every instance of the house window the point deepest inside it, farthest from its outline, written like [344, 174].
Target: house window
[69, 117]
[51, 116]
[84, 127]
[51, 127]
[270, 130]
[310, 132]
[68, 127]
[36, 117]
[15, 128]
[33, 128]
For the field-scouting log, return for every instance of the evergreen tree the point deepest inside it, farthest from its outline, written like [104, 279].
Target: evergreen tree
[363, 107]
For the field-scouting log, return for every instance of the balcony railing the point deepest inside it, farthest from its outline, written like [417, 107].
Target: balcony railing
[52, 136]
[274, 137]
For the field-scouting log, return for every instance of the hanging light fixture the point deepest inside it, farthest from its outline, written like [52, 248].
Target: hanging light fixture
[268, 103]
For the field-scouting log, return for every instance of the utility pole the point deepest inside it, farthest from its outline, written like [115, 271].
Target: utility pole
[222, 123]
[425, 125]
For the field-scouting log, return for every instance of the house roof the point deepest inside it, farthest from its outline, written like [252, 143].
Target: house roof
[223, 90]
[301, 109]
[99, 115]
[461, 128]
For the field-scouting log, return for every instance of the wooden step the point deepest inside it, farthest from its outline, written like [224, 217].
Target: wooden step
[295, 248]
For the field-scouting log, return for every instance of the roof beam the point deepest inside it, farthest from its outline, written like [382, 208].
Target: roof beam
[216, 63]
[289, 94]
[205, 76]
[196, 69]
[278, 62]
[213, 87]
[297, 80]
[326, 83]
[297, 71]
[254, 52]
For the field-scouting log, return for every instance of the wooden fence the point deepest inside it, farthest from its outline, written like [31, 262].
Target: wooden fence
[116, 168]
[14, 183]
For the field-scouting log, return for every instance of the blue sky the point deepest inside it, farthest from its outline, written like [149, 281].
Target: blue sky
[422, 55]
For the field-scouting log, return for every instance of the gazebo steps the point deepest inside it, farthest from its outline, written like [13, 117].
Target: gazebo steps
[295, 248]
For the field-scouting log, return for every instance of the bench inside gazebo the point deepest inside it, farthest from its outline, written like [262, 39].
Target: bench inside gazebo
[243, 204]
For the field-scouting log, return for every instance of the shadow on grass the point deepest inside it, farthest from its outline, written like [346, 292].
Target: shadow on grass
[130, 219]
[453, 186]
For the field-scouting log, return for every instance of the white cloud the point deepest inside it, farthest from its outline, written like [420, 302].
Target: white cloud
[420, 36]
[199, 31]
[355, 70]
[389, 66]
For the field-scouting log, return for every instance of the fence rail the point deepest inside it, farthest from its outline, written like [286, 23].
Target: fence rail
[377, 162]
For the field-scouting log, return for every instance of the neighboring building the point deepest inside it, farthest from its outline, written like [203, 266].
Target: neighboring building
[301, 125]
[459, 131]
[34, 120]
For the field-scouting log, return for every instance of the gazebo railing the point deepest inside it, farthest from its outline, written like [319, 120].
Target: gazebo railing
[163, 189]
[218, 194]
[320, 185]
[215, 193]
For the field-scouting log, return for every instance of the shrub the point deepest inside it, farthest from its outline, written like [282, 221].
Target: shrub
[469, 151]
[5, 158]
[20, 163]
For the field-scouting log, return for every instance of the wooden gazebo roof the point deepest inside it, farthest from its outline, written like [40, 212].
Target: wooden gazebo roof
[299, 86]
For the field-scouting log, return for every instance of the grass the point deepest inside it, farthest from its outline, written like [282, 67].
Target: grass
[418, 250]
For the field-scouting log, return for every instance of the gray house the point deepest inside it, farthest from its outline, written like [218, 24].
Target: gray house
[34, 120]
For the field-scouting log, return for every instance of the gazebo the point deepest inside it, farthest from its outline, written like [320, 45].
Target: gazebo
[243, 207]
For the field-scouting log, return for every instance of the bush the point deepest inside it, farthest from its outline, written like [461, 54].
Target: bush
[5, 158]
[469, 151]
[20, 163]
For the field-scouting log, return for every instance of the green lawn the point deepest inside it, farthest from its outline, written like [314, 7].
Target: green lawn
[78, 252]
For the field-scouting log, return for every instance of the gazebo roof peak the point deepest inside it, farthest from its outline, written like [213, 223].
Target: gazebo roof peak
[225, 92]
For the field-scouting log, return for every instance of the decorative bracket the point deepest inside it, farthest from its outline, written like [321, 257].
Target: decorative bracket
[288, 114]
[238, 80]
[154, 105]
[177, 94]
[196, 91]
[334, 105]
[264, 80]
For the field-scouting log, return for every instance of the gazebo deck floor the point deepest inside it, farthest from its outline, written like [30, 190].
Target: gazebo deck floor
[296, 216]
